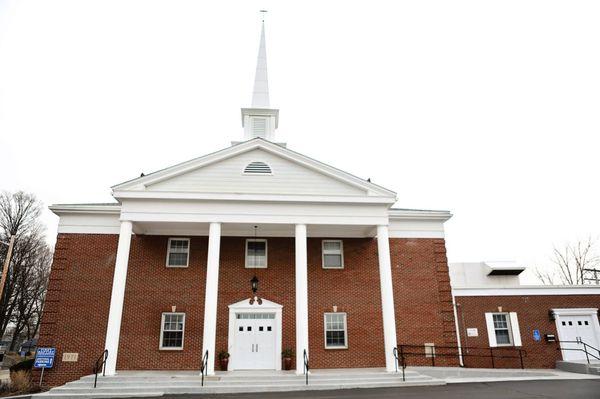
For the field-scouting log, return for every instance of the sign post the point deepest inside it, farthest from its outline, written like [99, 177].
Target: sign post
[44, 359]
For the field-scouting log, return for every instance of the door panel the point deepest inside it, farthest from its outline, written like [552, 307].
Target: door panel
[254, 346]
[576, 328]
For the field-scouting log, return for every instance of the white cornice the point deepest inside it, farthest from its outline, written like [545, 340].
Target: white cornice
[85, 208]
[250, 197]
[528, 290]
[417, 214]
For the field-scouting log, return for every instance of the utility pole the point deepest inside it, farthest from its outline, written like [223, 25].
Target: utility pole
[11, 243]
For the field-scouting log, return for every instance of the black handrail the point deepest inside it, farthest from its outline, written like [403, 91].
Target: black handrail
[396, 362]
[584, 350]
[204, 365]
[101, 365]
[306, 366]
[491, 353]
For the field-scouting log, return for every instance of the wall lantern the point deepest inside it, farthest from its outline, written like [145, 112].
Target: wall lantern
[551, 315]
[254, 284]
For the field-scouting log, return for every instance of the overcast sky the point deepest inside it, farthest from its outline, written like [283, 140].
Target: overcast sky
[489, 109]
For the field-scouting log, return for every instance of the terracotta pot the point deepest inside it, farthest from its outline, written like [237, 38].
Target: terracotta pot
[287, 363]
[223, 363]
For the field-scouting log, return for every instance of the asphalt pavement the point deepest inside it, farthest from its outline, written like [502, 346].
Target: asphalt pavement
[554, 389]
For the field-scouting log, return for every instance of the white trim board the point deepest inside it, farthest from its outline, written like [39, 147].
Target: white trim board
[527, 290]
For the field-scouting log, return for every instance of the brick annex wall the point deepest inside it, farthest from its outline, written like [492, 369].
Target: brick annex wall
[423, 299]
[532, 313]
[81, 281]
[77, 302]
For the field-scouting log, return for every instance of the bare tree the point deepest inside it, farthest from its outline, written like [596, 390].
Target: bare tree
[27, 278]
[572, 264]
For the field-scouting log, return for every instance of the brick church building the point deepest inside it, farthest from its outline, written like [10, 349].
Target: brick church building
[252, 249]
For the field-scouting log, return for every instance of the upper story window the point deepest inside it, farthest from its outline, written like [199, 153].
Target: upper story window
[336, 331]
[171, 331]
[178, 252]
[257, 168]
[256, 253]
[333, 254]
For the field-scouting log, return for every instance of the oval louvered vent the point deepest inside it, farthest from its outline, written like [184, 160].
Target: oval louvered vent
[258, 168]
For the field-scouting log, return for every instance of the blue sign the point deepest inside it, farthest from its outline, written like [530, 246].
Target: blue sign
[536, 335]
[44, 358]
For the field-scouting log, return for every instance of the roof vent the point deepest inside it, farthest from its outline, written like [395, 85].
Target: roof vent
[258, 168]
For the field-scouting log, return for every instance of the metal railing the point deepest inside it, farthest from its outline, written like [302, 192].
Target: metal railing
[402, 352]
[587, 349]
[204, 365]
[100, 365]
[306, 366]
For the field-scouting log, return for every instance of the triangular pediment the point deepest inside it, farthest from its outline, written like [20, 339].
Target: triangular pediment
[255, 167]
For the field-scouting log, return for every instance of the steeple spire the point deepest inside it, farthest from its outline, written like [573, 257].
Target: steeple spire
[260, 120]
[260, 95]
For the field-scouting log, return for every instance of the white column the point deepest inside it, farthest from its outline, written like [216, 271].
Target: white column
[210, 299]
[115, 313]
[301, 298]
[387, 297]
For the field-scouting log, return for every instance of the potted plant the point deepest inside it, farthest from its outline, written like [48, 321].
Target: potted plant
[287, 355]
[223, 360]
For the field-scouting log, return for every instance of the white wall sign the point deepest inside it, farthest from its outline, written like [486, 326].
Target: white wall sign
[472, 332]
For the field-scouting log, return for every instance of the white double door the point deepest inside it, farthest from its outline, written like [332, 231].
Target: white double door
[577, 328]
[254, 346]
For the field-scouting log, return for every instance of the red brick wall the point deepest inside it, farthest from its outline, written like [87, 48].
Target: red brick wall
[423, 298]
[76, 309]
[532, 313]
[81, 282]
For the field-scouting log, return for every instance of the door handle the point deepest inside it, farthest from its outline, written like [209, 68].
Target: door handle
[252, 347]
[257, 347]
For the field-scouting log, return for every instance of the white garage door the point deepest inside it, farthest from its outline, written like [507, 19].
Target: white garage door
[576, 328]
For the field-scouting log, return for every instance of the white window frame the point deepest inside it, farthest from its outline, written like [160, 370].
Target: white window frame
[331, 252]
[508, 328]
[162, 331]
[266, 253]
[187, 260]
[345, 330]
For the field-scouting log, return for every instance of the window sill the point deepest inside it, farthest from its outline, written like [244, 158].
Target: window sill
[336, 347]
[177, 267]
[170, 349]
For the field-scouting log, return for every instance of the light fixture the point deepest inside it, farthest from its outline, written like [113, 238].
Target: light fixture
[254, 284]
[551, 315]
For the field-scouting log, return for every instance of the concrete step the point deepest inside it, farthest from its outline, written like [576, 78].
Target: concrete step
[581, 367]
[136, 384]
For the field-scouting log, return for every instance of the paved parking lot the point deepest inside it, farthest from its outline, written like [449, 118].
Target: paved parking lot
[554, 389]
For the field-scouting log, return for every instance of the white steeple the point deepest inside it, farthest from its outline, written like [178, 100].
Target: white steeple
[260, 95]
[260, 120]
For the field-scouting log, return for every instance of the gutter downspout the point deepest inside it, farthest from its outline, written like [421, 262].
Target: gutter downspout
[456, 325]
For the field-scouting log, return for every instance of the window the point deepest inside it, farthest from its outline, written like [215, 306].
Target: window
[256, 253]
[178, 252]
[336, 334]
[333, 254]
[257, 168]
[502, 328]
[171, 331]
